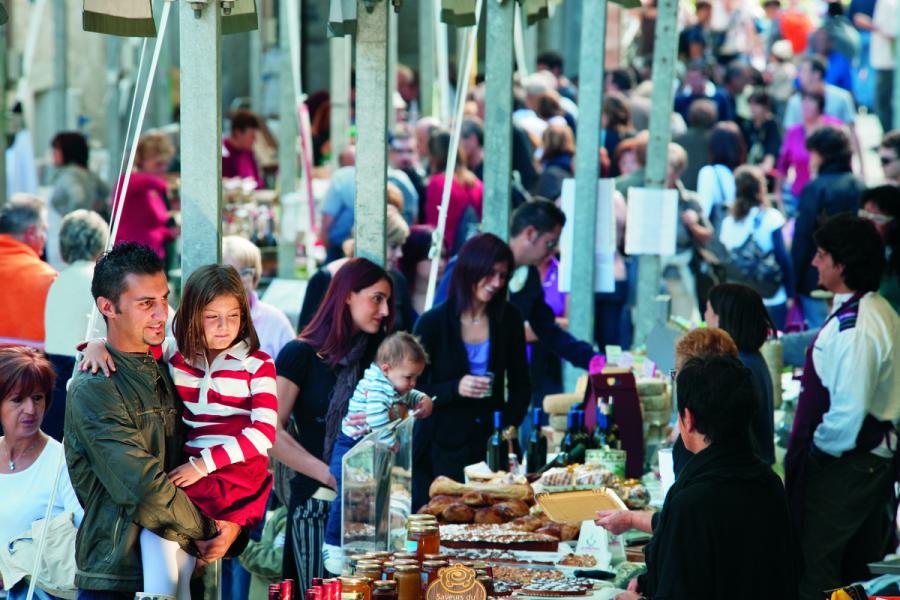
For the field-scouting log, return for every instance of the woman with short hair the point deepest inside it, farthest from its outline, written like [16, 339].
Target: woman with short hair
[30, 461]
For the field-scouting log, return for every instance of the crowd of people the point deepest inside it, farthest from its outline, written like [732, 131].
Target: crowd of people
[161, 441]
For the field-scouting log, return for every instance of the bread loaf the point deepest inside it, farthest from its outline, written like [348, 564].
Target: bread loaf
[437, 505]
[489, 515]
[512, 509]
[475, 499]
[516, 491]
[458, 513]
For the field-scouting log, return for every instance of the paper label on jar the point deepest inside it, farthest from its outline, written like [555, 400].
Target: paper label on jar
[613, 461]
[593, 457]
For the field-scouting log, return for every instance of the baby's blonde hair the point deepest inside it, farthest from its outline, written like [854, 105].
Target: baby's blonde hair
[401, 346]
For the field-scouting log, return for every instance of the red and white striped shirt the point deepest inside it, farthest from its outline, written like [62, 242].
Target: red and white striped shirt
[230, 406]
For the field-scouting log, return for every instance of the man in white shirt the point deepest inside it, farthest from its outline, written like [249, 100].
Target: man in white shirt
[839, 469]
[883, 26]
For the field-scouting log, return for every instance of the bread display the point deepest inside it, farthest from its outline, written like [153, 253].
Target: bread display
[457, 512]
[584, 561]
[496, 536]
[476, 499]
[489, 515]
[512, 509]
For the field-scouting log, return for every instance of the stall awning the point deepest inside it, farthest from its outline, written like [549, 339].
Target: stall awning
[135, 18]
[462, 12]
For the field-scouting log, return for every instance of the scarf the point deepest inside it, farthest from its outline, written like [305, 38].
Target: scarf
[347, 377]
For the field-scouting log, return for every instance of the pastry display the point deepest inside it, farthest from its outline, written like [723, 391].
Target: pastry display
[578, 560]
[520, 577]
[496, 536]
[557, 587]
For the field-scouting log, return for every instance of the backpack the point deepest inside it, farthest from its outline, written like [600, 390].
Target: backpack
[747, 264]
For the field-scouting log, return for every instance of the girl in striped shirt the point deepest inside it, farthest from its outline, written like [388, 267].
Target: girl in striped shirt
[385, 393]
[227, 385]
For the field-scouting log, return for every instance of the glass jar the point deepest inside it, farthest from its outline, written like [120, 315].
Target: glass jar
[488, 584]
[369, 569]
[409, 582]
[384, 590]
[435, 557]
[406, 561]
[355, 559]
[382, 556]
[387, 570]
[431, 572]
[354, 586]
[404, 556]
[427, 540]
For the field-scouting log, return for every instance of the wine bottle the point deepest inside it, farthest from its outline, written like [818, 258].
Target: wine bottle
[598, 439]
[537, 444]
[612, 430]
[581, 434]
[568, 441]
[497, 452]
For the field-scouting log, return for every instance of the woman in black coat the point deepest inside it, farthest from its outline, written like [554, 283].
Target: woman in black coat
[472, 335]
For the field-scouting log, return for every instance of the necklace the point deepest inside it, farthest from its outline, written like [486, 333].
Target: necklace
[12, 463]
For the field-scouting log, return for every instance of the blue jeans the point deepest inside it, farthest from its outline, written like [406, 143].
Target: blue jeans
[20, 592]
[342, 445]
[815, 311]
[235, 580]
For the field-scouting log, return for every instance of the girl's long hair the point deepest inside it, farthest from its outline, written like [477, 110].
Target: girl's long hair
[476, 260]
[331, 329]
[202, 287]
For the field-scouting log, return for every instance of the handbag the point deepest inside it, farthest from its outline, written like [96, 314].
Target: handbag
[56, 573]
[281, 473]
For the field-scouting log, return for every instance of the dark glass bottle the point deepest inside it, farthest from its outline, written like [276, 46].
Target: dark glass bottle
[581, 434]
[568, 441]
[598, 439]
[497, 450]
[537, 444]
[612, 430]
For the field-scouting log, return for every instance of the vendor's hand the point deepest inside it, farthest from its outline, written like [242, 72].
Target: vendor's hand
[326, 478]
[628, 596]
[186, 474]
[358, 421]
[616, 522]
[633, 585]
[215, 547]
[474, 386]
[95, 356]
[423, 408]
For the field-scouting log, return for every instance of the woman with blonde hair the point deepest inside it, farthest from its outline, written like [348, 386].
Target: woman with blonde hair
[753, 219]
[557, 160]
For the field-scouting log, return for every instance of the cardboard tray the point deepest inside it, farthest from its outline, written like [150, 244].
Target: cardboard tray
[575, 507]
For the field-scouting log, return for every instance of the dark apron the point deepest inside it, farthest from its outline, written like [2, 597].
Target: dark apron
[813, 403]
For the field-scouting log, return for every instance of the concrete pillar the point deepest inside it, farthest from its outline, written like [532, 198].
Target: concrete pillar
[392, 65]
[201, 137]
[498, 116]
[340, 95]
[587, 173]
[663, 75]
[372, 101]
[287, 140]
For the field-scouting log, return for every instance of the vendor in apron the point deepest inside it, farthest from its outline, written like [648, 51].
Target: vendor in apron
[839, 468]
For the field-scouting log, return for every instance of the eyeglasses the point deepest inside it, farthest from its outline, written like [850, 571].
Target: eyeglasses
[875, 217]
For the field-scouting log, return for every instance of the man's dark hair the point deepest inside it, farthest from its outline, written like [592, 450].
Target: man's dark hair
[734, 70]
[726, 145]
[760, 97]
[887, 199]
[622, 79]
[698, 65]
[854, 243]
[742, 314]
[831, 143]
[242, 120]
[73, 147]
[112, 268]
[702, 113]
[540, 213]
[817, 63]
[472, 126]
[719, 392]
[551, 58]
[891, 141]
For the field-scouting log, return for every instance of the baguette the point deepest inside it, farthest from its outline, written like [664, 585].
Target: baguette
[514, 491]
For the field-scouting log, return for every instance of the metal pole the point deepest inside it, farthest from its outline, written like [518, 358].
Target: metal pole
[161, 113]
[4, 37]
[427, 67]
[340, 96]
[60, 64]
[392, 65]
[255, 67]
[587, 173]
[372, 98]
[287, 144]
[896, 97]
[441, 60]
[113, 116]
[663, 75]
[201, 137]
[498, 80]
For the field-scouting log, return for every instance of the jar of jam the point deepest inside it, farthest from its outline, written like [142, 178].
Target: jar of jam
[435, 557]
[354, 560]
[404, 556]
[355, 585]
[406, 561]
[382, 555]
[431, 572]
[384, 590]
[427, 539]
[488, 584]
[409, 582]
[387, 570]
[369, 569]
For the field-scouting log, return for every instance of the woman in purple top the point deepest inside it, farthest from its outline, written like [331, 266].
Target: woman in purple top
[793, 150]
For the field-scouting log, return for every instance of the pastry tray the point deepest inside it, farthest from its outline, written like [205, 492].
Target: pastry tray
[575, 507]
